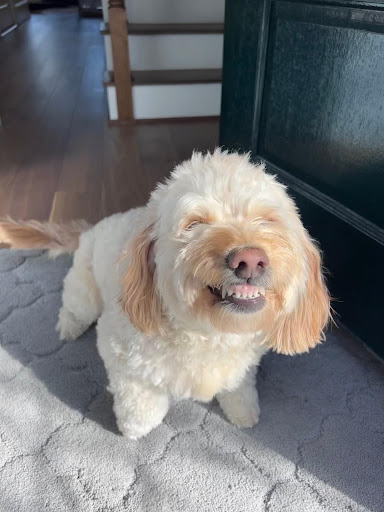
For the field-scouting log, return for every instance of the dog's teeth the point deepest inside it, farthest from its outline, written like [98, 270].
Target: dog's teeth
[262, 291]
[223, 292]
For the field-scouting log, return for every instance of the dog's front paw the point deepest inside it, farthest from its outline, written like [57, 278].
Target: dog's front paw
[242, 409]
[133, 432]
[243, 417]
[68, 326]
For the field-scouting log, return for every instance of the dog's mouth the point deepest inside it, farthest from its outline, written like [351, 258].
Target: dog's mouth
[244, 298]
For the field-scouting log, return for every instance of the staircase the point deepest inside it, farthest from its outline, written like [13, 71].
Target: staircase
[174, 60]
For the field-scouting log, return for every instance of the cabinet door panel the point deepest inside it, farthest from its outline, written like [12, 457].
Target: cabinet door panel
[6, 19]
[303, 89]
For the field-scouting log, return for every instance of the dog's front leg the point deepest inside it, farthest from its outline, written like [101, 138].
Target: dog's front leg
[241, 406]
[139, 407]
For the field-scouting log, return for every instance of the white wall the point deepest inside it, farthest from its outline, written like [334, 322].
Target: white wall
[175, 11]
[189, 100]
[171, 51]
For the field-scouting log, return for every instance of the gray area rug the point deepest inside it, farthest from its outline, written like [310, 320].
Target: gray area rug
[318, 445]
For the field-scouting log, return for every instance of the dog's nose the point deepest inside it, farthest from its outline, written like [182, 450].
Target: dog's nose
[248, 263]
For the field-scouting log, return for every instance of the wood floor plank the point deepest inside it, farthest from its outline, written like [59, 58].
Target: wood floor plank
[158, 154]
[196, 135]
[124, 180]
[83, 158]
[69, 205]
[33, 191]
[59, 158]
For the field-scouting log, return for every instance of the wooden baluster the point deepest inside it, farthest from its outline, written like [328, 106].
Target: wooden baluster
[120, 54]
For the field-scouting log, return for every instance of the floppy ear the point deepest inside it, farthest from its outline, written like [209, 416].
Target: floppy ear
[139, 298]
[302, 329]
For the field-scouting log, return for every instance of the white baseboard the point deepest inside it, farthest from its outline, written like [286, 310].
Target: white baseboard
[112, 102]
[108, 53]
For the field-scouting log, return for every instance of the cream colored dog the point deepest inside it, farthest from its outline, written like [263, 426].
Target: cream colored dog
[191, 290]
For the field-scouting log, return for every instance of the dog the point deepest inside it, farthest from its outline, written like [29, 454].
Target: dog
[191, 290]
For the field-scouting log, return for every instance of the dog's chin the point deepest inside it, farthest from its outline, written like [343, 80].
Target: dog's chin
[239, 298]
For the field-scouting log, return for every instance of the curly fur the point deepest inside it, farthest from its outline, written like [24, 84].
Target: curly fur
[145, 275]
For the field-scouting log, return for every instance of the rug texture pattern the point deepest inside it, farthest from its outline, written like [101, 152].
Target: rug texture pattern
[319, 445]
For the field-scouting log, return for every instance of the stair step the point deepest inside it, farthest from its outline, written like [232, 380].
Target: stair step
[168, 100]
[174, 28]
[175, 51]
[176, 76]
[170, 94]
[156, 101]
[143, 29]
[169, 76]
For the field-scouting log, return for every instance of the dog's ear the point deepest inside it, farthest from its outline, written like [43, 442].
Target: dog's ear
[139, 298]
[302, 328]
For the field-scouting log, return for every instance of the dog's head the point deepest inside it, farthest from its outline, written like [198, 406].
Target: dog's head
[223, 249]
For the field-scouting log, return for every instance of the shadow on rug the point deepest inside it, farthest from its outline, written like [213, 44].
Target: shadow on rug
[318, 445]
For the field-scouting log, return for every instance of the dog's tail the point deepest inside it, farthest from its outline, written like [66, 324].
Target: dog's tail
[56, 238]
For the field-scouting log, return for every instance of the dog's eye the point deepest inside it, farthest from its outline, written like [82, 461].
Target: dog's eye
[191, 225]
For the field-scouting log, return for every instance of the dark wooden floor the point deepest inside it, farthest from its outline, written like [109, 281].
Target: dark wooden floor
[59, 159]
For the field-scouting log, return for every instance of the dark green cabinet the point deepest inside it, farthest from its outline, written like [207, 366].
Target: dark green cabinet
[303, 89]
[6, 16]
